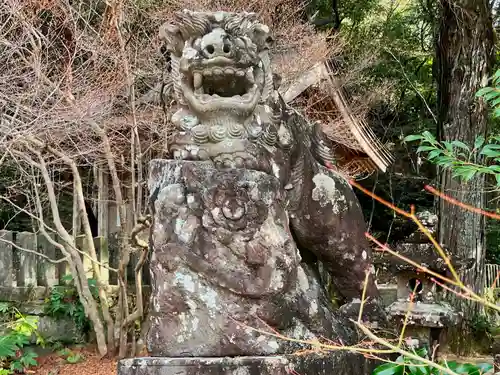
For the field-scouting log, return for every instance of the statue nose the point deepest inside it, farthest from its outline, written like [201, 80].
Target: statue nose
[217, 44]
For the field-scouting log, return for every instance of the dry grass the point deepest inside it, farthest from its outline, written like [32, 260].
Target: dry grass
[63, 67]
[69, 65]
[66, 65]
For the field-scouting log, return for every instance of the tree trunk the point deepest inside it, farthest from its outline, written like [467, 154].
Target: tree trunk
[464, 59]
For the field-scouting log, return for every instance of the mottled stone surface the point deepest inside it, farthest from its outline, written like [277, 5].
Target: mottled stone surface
[338, 363]
[230, 114]
[224, 263]
[243, 215]
[433, 315]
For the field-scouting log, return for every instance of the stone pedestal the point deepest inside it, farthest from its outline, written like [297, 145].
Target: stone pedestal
[338, 363]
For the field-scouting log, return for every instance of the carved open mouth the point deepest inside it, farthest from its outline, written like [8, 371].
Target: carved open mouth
[222, 87]
[225, 83]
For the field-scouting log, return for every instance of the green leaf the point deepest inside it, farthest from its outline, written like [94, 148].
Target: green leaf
[484, 91]
[443, 160]
[8, 346]
[495, 103]
[466, 173]
[492, 146]
[4, 307]
[448, 146]
[452, 365]
[434, 154]
[419, 369]
[25, 325]
[425, 148]
[489, 152]
[470, 369]
[67, 278]
[496, 76]
[412, 137]
[469, 175]
[482, 368]
[479, 142]
[389, 369]
[422, 352]
[460, 144]
[65, 352]
[429, 137]
[17, 366]
[28, 359]
[491, 95]
[497, 178]
[75, 358]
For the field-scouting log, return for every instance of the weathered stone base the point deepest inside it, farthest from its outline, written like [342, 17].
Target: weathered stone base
[338, 363]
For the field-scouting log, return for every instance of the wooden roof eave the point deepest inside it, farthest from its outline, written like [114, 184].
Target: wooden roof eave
[367, 140]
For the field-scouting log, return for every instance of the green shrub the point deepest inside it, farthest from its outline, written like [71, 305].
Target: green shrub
[17, 332]
[64, 302]
[408, 366]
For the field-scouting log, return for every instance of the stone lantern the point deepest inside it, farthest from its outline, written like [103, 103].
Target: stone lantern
[419, 299]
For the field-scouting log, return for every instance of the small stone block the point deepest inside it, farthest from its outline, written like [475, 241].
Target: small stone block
[27, 260]
[6, 259]
[47, 271]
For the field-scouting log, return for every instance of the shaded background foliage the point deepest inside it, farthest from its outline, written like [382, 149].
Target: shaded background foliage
[394, 42]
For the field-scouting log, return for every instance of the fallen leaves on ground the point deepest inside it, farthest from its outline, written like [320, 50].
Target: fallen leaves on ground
[92, 364]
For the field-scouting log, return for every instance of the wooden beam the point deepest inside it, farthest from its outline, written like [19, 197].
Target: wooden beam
[301, 84]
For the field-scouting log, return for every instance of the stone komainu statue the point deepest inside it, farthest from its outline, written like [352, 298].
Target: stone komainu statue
[246, 206]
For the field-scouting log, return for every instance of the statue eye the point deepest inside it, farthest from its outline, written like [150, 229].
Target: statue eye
[269, 42]
[197, 43]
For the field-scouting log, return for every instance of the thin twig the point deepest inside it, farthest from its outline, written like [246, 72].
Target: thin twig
[54, 261]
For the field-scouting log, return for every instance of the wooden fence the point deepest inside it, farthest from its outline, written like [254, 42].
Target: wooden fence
[491, 273]
[24, 265]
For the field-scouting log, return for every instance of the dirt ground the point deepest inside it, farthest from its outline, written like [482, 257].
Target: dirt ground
[54, 364]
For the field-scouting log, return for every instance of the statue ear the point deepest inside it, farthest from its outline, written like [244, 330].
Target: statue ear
[277, 81]
[172, 37]
[262, 37]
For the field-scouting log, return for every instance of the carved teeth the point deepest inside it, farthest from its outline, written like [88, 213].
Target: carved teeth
[250, 76]
[197, 80]
[231, 79]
